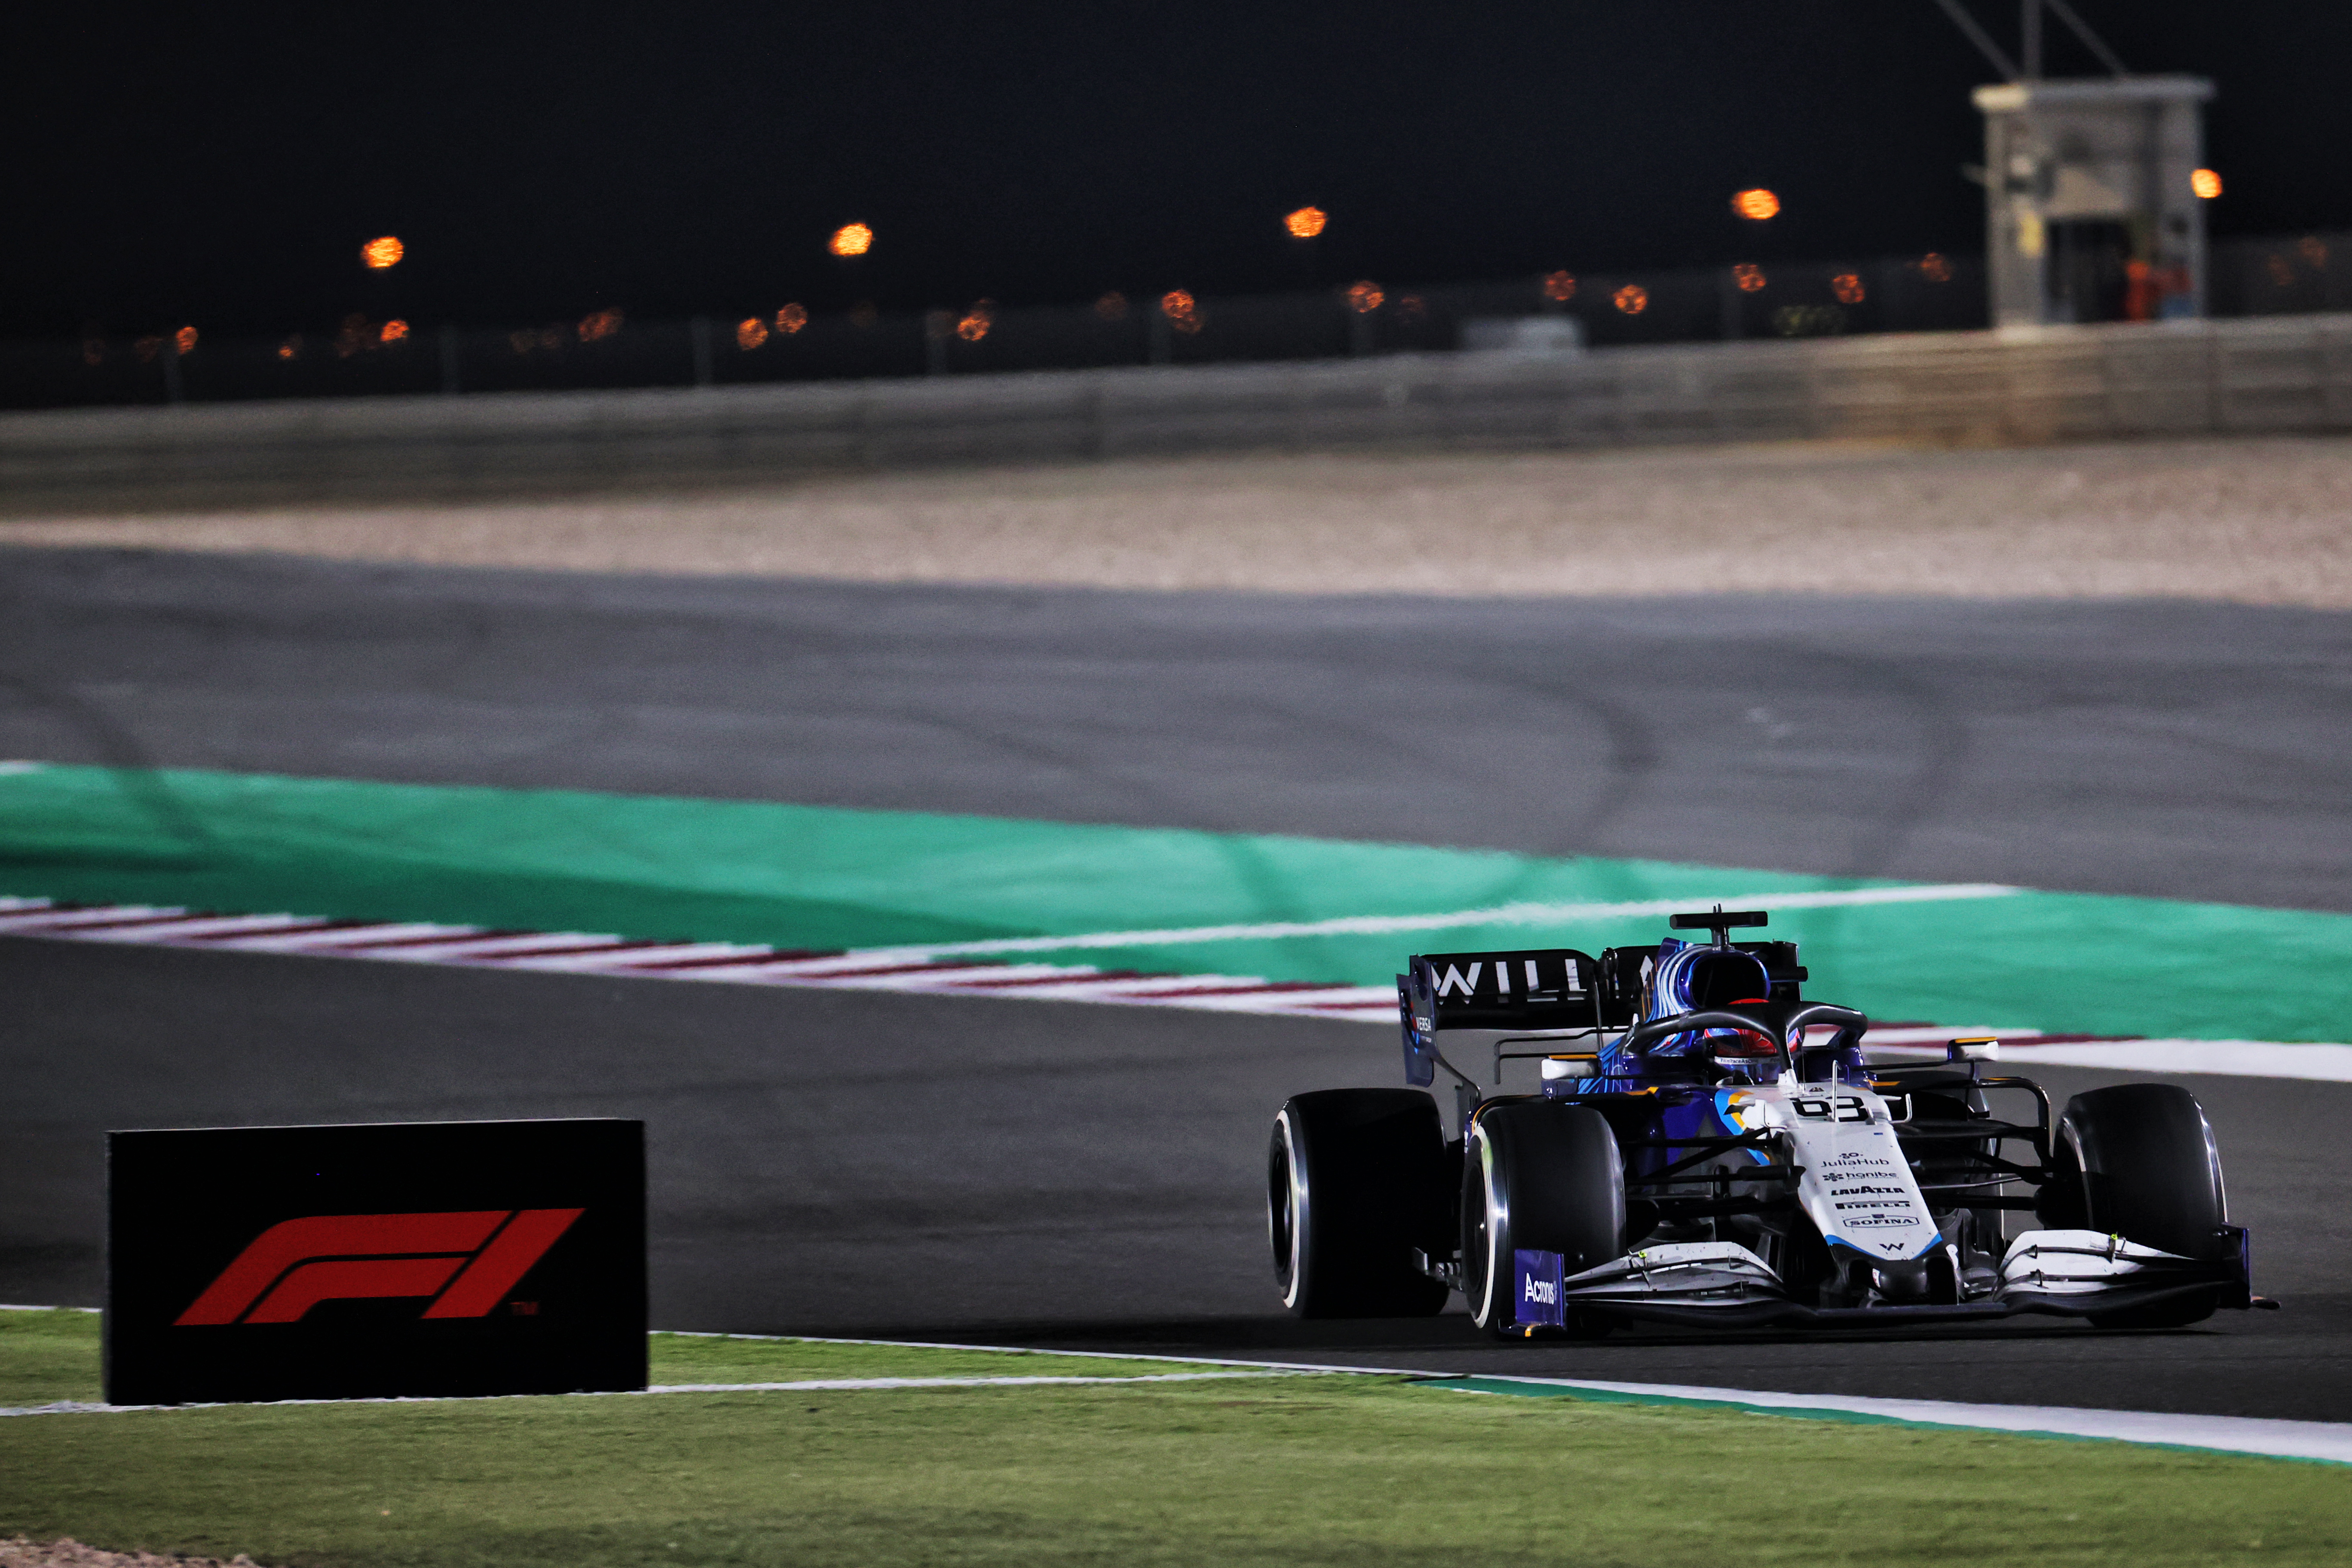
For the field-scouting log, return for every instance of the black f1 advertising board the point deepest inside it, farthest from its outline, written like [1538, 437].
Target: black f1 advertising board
[453, 1257]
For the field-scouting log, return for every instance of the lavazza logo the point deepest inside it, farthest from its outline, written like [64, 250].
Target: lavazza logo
[467, 1262]
[1541, 1290]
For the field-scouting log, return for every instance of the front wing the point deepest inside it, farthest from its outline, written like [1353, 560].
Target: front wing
[2068, 1273]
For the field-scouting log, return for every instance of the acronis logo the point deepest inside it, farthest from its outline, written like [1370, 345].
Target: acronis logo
[1541, 1290]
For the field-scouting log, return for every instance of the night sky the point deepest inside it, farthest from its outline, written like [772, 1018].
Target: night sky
[222, 165]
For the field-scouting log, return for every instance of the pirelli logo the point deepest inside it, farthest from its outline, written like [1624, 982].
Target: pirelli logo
[465, 1261]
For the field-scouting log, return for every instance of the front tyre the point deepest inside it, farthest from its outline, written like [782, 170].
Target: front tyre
[1537, 1176]
[1357, 1180]
[2138, 1161]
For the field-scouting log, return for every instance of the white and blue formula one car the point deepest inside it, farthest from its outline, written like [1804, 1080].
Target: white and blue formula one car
[1706, 1147]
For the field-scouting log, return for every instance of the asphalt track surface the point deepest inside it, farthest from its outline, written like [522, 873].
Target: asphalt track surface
[1055, 1174]
[2173, 749]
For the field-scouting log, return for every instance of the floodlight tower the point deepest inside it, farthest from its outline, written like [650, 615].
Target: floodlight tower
[2090, 215]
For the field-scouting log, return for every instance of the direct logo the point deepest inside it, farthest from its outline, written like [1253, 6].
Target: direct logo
[466, 1261]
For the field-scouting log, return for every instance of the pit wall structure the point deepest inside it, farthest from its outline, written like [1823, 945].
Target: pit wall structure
[2253, 376]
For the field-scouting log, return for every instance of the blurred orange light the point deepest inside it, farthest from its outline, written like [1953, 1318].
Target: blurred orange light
[383, 252]
[750, 333]
[975, 323]
[523, 343]
[1412, 307]
[552, 337]
[1749, 276]
[2314, 250]
[289, 348]
[185, 341]
[1847, 287]
[1756, 205]
[1365, 298]
[393, 332]
[1559, 288]
[1632, 299]
[792, 319]
[1306, 222]
[147, 348]
[851, 239]
[2205, 182]
[1112, 307]
[1176, 302]
[601, 324]
[1934, 269]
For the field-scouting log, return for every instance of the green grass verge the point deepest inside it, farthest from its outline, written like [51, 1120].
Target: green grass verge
[1339, 1470]
[47, 1356]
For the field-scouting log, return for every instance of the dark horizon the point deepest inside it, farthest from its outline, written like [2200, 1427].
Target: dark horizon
[541, 164]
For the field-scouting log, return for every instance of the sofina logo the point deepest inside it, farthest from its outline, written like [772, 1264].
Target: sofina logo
[1541, 1290]
[466, 1261]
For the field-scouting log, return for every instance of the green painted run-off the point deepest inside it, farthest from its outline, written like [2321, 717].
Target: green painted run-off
[825, 878]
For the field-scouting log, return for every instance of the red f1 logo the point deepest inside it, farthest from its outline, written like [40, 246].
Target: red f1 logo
[298, 1263]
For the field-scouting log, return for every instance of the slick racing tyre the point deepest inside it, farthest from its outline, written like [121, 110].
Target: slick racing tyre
[1356, 1180]
[2138, 1161]
[1542, 1177]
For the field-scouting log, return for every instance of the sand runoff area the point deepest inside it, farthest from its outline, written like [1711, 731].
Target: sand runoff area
[2256, 521]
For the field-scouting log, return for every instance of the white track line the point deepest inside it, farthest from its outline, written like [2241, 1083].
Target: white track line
[2229, 1058]
[1029, 1350]
[1384, 925]
[2324, 1440]
[910, 970]
[811, 1385]
[593, 952]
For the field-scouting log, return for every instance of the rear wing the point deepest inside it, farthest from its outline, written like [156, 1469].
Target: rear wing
[1545, 988]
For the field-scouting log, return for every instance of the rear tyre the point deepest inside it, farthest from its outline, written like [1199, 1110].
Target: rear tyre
[1537, 1176]
[1356, 1180]
[2138, 1161]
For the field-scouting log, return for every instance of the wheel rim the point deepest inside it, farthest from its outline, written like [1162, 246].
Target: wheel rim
[1479, 1250]
[1285, 1198]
